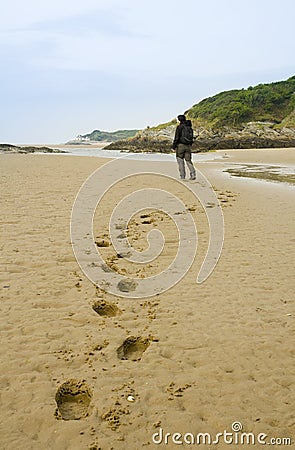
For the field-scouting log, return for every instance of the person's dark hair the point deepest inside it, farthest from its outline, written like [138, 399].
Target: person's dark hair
[181, 118]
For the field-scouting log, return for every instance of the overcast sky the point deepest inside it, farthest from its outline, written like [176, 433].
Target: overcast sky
[72, 66]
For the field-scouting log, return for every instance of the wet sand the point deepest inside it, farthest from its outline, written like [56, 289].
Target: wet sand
[84, 369]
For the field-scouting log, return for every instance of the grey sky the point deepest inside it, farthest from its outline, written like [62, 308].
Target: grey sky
[71, 66]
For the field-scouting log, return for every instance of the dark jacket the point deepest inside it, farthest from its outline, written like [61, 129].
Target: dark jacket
[178, 132]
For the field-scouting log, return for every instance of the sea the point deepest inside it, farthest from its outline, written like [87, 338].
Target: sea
[101, 153]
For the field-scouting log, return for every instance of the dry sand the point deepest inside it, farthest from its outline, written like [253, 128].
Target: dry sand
[208, 355]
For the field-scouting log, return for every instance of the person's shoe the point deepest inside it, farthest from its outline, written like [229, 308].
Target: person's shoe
[192, 178]
[182, 178]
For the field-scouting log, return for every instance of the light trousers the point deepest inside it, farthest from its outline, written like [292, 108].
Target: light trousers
[184, 153]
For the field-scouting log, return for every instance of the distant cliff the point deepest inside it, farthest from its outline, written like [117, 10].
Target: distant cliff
[105, 136]
[257, 117]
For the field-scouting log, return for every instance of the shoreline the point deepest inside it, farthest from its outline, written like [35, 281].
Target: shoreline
[265, 165]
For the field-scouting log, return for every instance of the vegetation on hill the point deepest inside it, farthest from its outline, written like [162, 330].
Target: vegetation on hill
[265, 102]
[111, 136]
[288, 121]
[162, 126]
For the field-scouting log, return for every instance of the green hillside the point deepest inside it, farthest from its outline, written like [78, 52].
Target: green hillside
[111, 136]
[264, 102]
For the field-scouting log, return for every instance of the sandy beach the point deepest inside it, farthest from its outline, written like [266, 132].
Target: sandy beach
[85, 369]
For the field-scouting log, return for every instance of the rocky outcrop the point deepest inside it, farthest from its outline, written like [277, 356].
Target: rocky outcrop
[250, 135]
[9, 148]
[139, 145]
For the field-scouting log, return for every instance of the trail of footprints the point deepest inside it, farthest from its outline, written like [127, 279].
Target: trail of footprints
[226, 198]
[73, 397]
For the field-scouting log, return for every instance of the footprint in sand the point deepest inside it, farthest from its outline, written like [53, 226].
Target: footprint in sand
[102, 243]
[226, 198]
[133, 348]
[73, 398]
[127, 285]
[106, 309]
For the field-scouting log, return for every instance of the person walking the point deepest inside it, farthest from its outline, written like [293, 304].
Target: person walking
[183, 145]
